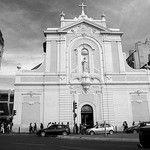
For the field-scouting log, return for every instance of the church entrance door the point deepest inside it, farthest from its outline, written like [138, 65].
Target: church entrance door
[87, 116]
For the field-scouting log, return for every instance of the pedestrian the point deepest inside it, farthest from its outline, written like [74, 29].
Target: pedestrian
[8, 128]
[49, 124]
[80, 128]
[133, 123]
[84, 128]
[5, 127]
[76, 128]
[30, 128]
[41, 126]
[11, 124]
[125, 126]
[2, 127]
[35, 128]
[68, 124]
[97, 124]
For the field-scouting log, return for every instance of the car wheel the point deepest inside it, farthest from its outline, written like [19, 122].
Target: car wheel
[43, 134]
[92, 133]
[111, 132]
[134, 131]
[64, 133]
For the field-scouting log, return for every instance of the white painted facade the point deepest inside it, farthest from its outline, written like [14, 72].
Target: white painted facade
[104, 83]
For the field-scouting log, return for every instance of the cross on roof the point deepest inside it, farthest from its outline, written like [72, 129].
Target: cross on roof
[82, 7]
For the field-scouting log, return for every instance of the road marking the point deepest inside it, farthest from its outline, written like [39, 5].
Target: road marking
[76, 148]
[30, 144]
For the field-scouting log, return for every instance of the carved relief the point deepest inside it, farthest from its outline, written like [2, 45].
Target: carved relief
[31, 94]
[74, 31]
[83, 27]
[84, 30]
[138, 92]
[62, 78]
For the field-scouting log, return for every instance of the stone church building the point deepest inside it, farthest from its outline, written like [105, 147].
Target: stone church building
[83, 62]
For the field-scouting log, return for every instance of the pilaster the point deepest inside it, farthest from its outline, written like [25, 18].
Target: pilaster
[108, 56]
[121, 59]
[48, 54]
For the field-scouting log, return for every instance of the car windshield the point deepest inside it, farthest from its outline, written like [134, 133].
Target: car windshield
[60, 127]
[102, 125]
[52, 127]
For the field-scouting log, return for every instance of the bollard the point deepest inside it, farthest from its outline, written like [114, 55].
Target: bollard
[116, 129]
[19, 130]
[105, 128]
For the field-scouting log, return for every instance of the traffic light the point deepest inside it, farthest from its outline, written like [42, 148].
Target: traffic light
[75, 115]
[14, 112]
[74, 105]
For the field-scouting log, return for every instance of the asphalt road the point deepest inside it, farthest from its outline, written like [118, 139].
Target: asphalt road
[33, 142]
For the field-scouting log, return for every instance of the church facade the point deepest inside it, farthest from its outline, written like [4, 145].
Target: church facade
[83, 63]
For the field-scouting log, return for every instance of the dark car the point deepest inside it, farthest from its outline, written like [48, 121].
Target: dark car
[144, 137]
[55, 129]
[135, 128]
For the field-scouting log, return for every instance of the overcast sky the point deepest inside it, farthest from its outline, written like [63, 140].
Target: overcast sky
[22, 23]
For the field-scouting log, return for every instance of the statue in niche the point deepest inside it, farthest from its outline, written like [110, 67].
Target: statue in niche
[85, 65]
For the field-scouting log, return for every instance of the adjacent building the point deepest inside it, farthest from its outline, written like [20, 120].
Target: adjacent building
[140, 57]
[1, 47]
[7, 80]
[83, 64]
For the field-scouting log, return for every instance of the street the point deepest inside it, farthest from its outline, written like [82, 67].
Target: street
[33, 142]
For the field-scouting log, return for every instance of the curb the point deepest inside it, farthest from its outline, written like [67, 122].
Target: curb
[98, 139]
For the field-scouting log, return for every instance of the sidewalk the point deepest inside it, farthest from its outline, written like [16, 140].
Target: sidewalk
[101, 137]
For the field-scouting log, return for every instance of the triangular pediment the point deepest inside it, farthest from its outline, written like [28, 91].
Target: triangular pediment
[84, 22]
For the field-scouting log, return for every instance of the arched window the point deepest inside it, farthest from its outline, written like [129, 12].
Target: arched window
[86, 109]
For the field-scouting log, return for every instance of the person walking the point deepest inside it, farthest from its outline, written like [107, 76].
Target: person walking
[8, 128]
[49, 124]
[30, 128]
[68, 124]
[41, 126]
[80, 128]
[2, 127]
[133, 123]
[84, 128]
[125, 126]
[35, 128]
[76, 128]
[11, 125]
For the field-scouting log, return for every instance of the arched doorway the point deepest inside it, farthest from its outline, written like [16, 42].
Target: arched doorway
[87, 115]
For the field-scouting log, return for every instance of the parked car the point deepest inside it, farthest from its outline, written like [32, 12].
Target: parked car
[55, 129]
[144, 136]
[101, 129]
[135, 128]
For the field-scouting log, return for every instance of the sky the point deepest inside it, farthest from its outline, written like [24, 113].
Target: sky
[22, 23]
